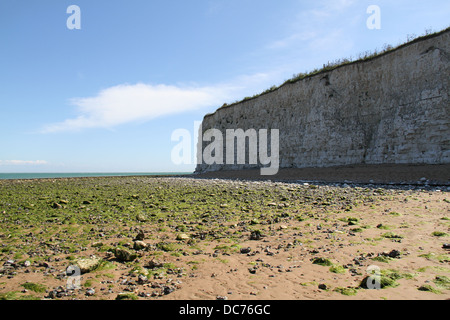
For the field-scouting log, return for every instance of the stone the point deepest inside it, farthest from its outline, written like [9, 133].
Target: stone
[141, 217]
[183, 236]
[246, 250]
[394, 254]
[58, 292]
[168, 289]
[10, 262]
[125, 255]
[98, 244]
[255, 235]
[142, 279]
[56, 206]
[252, 270]
[323, 286]
[139, 245]
[90, 292]
[154, 264]
[140, 236]
[87, 265]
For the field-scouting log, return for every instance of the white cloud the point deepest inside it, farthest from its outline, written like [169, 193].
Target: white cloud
[22, 162]
[139, 102]
[128, 103]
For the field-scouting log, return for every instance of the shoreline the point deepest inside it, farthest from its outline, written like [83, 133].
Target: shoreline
[359, 174]
[388, 174]
[95, 175]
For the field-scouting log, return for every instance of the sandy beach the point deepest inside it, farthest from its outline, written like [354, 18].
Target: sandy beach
[173, 238]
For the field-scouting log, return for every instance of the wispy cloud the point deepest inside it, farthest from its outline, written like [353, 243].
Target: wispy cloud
[327, 8]
[135, 102]
[291, 39]
[22, 162]
[129, 103]
[317, 33]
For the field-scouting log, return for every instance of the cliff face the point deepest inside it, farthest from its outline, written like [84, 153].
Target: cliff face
[393, 109]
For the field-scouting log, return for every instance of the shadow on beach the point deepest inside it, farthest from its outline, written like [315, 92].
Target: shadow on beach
[378, 176]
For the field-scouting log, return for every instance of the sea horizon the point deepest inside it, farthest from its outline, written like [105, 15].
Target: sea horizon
[56, 175]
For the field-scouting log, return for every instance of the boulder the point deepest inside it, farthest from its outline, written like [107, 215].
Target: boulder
[139, 245]
[88, 264]
[123, 254]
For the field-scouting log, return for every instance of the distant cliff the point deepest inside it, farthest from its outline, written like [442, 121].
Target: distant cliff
[390, 109]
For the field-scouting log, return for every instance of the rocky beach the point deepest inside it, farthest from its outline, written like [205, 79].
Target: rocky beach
[198, 238]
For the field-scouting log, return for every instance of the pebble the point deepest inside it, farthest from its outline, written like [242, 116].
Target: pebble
[168, 290]
[90, 292]
[183, 236]
[394, 254]
[255, 235]
[144, 294]
[142, 279]
[323, 286]
[246, 250]
[56, 206]
[10, 262]
[154, 264]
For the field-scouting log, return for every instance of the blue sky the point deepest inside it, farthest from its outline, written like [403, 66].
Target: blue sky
[107, 97]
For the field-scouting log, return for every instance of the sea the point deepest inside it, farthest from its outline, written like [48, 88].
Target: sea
[85, 175]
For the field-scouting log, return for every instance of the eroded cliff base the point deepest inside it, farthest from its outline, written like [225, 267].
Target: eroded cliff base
[377, 174]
